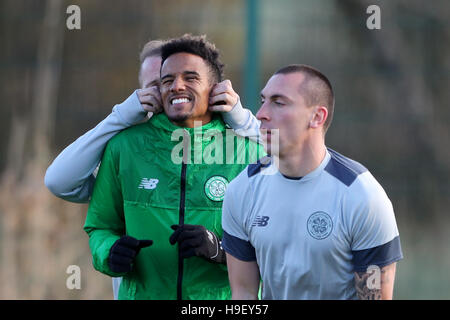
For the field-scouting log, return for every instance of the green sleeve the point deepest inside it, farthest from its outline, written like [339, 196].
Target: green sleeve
[105, 219]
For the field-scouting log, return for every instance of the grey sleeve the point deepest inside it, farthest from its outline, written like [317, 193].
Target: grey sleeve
[71, 175]
[373, 228]
[234, 210]
[243, 122]
[370, 212]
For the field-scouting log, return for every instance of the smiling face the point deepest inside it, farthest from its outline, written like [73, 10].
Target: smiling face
[185, 87]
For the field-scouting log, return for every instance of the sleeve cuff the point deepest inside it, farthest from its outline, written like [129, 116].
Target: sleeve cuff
[380, 256]
[130, 111]
[237, 117]
[241, 249]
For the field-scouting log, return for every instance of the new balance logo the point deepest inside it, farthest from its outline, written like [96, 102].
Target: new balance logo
[260, 221]
[148, 184]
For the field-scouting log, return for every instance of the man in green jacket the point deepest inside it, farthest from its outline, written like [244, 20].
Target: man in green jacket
[155, 213]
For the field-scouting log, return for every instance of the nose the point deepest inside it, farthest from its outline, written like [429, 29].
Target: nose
[177, 85]
[263, 112]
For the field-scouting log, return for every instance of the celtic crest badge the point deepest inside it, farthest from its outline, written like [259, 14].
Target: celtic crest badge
[215, 188]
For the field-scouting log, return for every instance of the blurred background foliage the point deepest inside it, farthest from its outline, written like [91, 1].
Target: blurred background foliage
[392, 113]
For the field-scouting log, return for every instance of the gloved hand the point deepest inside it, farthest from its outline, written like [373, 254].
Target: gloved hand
[194, 240]
[124, 251]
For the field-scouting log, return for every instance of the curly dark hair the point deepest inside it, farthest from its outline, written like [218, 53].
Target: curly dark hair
[199, 46]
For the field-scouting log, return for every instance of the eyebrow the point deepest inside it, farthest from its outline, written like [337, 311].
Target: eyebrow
[195, 73]
[276, 96]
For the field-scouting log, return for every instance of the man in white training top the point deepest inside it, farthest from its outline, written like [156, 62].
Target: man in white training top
[309, 222]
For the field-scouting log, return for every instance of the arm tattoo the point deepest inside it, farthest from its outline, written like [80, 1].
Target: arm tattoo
[362, 289]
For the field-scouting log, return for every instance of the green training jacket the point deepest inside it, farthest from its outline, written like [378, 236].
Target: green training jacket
[143, 187]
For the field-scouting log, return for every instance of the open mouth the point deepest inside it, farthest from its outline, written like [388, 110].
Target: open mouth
[179, 100]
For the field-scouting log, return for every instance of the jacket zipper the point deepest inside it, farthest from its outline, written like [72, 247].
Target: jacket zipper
[181, 222]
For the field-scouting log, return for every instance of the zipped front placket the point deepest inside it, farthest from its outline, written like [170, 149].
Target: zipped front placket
[181, 222]
[186, 155]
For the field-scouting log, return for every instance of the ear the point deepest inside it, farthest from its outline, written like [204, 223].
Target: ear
[319, 117]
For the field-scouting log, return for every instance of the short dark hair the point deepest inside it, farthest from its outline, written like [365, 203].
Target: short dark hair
[199, 46]
[316, 88]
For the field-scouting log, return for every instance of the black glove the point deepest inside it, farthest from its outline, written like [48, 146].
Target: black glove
[197, 241]
[123, 252]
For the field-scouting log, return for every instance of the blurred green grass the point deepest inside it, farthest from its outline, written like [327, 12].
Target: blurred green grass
[424, 271]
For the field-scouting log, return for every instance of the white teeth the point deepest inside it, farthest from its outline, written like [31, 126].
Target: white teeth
[180, 100]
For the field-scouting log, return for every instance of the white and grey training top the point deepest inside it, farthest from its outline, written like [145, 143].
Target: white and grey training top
[310, 235]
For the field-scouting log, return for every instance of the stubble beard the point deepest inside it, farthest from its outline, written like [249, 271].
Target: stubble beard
[179, 119]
